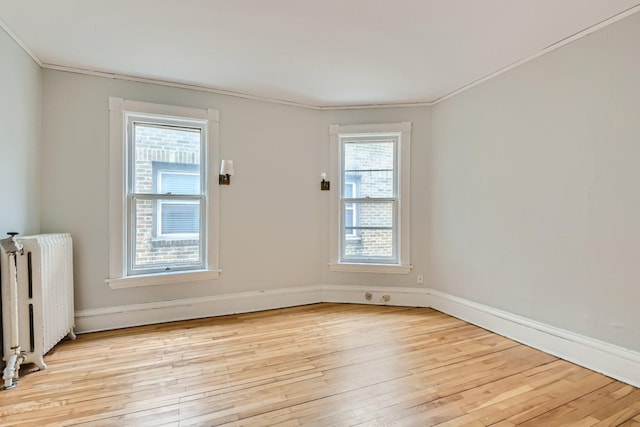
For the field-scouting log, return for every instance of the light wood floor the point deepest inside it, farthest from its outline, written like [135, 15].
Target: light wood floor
[317, 365]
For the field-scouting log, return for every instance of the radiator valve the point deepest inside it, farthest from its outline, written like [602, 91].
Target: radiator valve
[10, 245]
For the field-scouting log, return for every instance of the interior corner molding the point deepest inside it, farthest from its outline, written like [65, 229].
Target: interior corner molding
[425, 103]
[20, 43]
[570, 39]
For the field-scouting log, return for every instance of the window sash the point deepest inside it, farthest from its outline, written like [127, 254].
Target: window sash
[162, 176]
[184, 264]
[162, 122]
[349, 231]
[162, 228]
[363, 231]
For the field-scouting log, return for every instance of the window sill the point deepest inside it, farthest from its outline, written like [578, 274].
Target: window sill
[174, 278]
[371, 268]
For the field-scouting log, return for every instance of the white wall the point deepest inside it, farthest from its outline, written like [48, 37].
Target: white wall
[273, 218]
[20, 88]
[535, 189]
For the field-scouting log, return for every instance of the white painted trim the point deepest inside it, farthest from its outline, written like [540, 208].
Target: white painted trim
[173, 111]
[117, 161]
[212, 153]
[217, 91]
[374, 128]
[404, 187]
[178, 277]
[174, 84]
[371, 268]
[210, 119]
[580, 34]
[416, 104]
[425, 103]
[101, 319]
[614, 361]
[405, 297]
[402, 131]
[20, 43]
[334, 196]
[609, 359]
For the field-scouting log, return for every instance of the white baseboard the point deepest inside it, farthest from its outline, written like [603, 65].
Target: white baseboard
[611, 360]
[118, 317]
[406, 297]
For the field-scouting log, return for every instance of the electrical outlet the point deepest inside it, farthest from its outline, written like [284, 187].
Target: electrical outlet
[386, 298]
[368, 296]
[420, 279]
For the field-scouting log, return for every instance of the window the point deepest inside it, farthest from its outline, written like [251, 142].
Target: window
[176, 219]
[165, 194]
[370, 221]
[370, 160]
[163, 198]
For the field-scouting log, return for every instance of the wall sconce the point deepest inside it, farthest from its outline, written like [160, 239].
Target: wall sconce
[226, 170]
[324, 184]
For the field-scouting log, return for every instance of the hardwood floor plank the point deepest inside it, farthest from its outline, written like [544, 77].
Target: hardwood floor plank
[315, 365]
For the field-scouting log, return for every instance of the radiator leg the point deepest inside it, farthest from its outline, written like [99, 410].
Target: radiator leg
[39, 362]
[71, 335]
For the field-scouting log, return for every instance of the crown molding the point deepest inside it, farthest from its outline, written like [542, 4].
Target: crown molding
[24, 47]
[576, 36]
[557, 45]
[159, 82]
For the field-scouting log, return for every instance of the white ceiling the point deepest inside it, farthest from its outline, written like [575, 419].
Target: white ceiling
[312, 52]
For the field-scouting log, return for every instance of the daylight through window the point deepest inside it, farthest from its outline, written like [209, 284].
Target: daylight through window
[371, 205]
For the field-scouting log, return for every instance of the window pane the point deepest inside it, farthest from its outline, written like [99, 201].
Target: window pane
[151, 252]
[371, 214]
[178, 183]
[370, 166]
[368, 230]
[174, 148]
[179, 217]
[377, 244]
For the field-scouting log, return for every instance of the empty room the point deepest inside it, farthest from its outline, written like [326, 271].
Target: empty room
[320, 212]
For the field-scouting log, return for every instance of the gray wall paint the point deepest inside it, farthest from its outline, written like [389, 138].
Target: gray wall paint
[20, 87]
[268, 216]
[273, 218]
[524, 189]
[534, 186]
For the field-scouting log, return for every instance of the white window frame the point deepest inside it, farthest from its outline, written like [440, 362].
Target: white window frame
[339, 133]
[118, 181]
